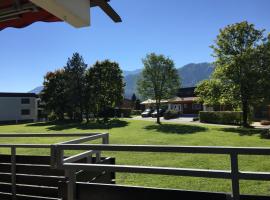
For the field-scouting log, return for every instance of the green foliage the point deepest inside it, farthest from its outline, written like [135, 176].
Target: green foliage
[159, 79]
[54, 93]
[75, 71]
[76, 91]
[221, 117]
[171, 114]
[241, 69]
[104, 86]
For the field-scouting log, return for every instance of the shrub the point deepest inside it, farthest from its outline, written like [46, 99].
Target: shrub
[221, 117]
[111, 112]
[52, 116]
[171, 114]
[125, 112]
[136, 112]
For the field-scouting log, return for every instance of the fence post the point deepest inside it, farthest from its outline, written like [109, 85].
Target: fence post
[105, 138]
[13, 172]
[71, 184]
[56, 157]
[235, 176]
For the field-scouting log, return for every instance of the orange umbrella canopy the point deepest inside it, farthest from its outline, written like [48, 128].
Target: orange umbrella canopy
[21, 13]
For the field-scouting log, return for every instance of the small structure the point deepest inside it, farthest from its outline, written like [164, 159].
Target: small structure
[18, 107]
[185, 102]
[150, 103]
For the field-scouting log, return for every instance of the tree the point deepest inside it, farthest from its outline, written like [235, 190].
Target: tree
[133, 99]
[54, 93]
[241, 70]
[106, 86]
[75, 71]
[159, 79]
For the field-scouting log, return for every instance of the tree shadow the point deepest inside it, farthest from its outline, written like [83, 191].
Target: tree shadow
[264, 133]
[176, 128]
[65, 125]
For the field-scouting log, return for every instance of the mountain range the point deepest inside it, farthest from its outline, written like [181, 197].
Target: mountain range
[190, 74]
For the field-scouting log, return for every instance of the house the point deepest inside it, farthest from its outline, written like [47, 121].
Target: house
[18, 107]
[185, 102]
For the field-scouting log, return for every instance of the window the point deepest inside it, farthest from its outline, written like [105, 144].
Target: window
[185, 105]
[196, 106]
[25, 101]
[25, 112]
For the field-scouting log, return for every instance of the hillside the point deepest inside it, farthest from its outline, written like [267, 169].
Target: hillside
[190, 74]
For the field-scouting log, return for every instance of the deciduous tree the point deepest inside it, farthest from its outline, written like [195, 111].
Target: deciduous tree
[159, 79]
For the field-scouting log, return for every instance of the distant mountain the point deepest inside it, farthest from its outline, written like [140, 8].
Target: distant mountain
[191, 74]
[36, 90]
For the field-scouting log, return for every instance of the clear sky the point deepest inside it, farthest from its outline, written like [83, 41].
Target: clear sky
[180, 29]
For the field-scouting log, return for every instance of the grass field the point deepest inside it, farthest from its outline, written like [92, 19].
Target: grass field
[142, 132]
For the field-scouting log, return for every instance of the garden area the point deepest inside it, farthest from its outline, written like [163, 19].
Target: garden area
[149, 133]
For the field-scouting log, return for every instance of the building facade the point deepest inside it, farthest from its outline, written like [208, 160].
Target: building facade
[185, 102]
[18, 107]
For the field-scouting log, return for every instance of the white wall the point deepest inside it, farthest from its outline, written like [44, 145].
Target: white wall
[10, 109]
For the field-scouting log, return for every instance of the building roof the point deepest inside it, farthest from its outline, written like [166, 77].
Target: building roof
[15, 94]
[186, 92]
[182, 99]
[151, 101]
[21, 13]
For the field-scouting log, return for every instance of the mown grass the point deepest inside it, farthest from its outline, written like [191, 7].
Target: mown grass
[143, 132]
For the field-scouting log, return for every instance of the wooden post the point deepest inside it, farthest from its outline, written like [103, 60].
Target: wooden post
[71, 184]
[13, 172]
[235, 176]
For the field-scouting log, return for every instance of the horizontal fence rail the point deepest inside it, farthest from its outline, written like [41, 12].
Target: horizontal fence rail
[169, 149]
[83, 137]
[234, 174]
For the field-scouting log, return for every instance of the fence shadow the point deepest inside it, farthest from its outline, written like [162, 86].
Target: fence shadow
[65, 125]
[176, 128]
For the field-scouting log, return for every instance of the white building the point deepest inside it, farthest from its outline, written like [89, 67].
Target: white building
[18, 107]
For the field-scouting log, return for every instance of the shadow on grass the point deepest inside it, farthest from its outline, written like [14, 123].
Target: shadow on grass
[176, 128]
[264, 133]
[65, 125]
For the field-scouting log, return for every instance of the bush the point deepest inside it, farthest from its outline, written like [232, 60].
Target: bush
[52, 116]
[221, 117]
[111, 112]
[125, 112]
[136, 112]
[171, 114]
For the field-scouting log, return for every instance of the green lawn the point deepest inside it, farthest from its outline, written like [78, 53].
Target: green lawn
[142, 132]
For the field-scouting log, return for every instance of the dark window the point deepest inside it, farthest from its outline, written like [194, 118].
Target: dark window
[196, 106]
[25, 101]
[25, 112]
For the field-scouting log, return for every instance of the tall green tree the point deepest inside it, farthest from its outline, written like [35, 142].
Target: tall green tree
[54, 93]
[75, 72]
[241, 71]
[159, 79]
[105, 85]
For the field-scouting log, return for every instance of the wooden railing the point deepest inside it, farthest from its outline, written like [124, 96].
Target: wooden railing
[234, 174]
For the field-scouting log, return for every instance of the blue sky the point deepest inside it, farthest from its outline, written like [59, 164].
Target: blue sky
[180, 29]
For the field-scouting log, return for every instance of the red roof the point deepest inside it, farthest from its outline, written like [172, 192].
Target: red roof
[26, 14]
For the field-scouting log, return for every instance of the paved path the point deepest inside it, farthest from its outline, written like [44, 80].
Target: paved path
[180, 120]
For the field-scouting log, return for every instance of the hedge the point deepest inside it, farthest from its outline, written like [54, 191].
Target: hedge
[221, 117]
[111, 112]
[136, 112]
[171, 114]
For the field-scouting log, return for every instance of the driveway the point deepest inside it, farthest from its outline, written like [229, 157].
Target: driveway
[178, 120]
